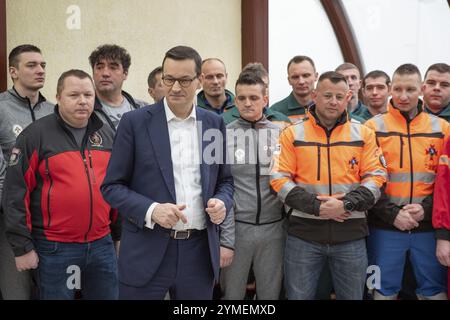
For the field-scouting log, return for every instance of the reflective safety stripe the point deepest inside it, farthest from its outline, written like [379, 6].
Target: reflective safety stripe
[380, 123]
[372, 186]
[287, 187]
[426, 177]
[400, 201]
[435, 124]
[443, 160]
[324, 188]
[355, 132]
[299, 130]
[300, 214]
[279, 175]
[377, 172]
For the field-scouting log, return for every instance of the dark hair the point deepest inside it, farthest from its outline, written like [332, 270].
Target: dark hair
[185, 53]
[256, 68]
[439, 67]
[333, 76]
[13, 58]
[215, 59]
[80, 74]
[151, 77]
[376, 74]
[250, 78]
[346, 66]
[299, 59]
[110, 52]
[407, 69]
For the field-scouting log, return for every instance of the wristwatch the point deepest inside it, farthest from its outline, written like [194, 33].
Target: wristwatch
[348, 205]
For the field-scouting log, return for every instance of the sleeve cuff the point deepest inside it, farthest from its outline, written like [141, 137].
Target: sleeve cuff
[443, 234]
[20, 251]
[149, 223]
[225, 246]
[391, 218]
[316, 207]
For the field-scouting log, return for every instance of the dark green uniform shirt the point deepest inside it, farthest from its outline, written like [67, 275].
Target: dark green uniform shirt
[291, 108]
[444, 113]
[202, 102]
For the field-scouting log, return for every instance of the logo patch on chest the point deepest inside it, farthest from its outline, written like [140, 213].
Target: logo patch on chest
[96, 139]
[17, 129]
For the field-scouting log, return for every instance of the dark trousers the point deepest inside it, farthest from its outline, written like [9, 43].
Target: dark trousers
[185, 272]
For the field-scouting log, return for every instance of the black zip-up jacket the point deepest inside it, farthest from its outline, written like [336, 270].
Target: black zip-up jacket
[52, 187]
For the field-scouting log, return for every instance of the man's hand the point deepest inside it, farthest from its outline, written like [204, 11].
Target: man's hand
[168, 214]
[443, 252]
[404, 221]
[28, 261]
[415, 210]
[216, 210]
[333, 208]
[226, 257]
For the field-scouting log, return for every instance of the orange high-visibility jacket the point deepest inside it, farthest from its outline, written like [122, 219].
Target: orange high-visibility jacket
[411, 149]
[323, 162]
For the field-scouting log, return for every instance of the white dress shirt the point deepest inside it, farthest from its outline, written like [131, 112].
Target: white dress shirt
[185, 153]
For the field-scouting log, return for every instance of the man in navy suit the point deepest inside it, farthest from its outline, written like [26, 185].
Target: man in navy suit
[168, 178]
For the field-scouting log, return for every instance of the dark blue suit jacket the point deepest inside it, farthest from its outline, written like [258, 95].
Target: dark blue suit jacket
[140, 172]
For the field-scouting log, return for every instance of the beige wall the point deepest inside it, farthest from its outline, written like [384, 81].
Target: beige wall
[146, 28]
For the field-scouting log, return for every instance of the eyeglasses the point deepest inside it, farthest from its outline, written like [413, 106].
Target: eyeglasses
[169, 81]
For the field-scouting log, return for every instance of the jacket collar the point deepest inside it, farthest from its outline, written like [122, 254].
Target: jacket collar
[98, 104]
[340, 121]
[293, 104]
[203, 102]
[26, 100]
[445, 112]
[396, 112]
[94, 122]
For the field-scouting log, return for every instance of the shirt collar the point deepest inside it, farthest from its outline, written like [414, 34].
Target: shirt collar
[170, 115]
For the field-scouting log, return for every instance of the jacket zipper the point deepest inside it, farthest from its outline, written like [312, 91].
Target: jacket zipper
[47, 173]
[329, 163]
[401, 149]
[92, 167]
[258, 187]
[33, 116]
[90, 190]
[410, 162]
[318, 163]
[329, 180]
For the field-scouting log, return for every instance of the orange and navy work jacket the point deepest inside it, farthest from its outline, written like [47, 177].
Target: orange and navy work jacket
[329, 163]
[441, 204]
[411, 149]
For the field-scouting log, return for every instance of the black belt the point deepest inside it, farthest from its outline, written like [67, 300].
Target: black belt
[183, 234]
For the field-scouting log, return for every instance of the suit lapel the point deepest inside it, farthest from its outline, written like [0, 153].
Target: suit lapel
[202, 126]
[159, 136]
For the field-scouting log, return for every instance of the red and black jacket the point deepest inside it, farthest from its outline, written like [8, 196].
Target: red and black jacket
[52, 188]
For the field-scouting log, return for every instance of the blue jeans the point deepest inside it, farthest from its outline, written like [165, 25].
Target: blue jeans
[65, 267]
[304, 262]
[387, 249]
